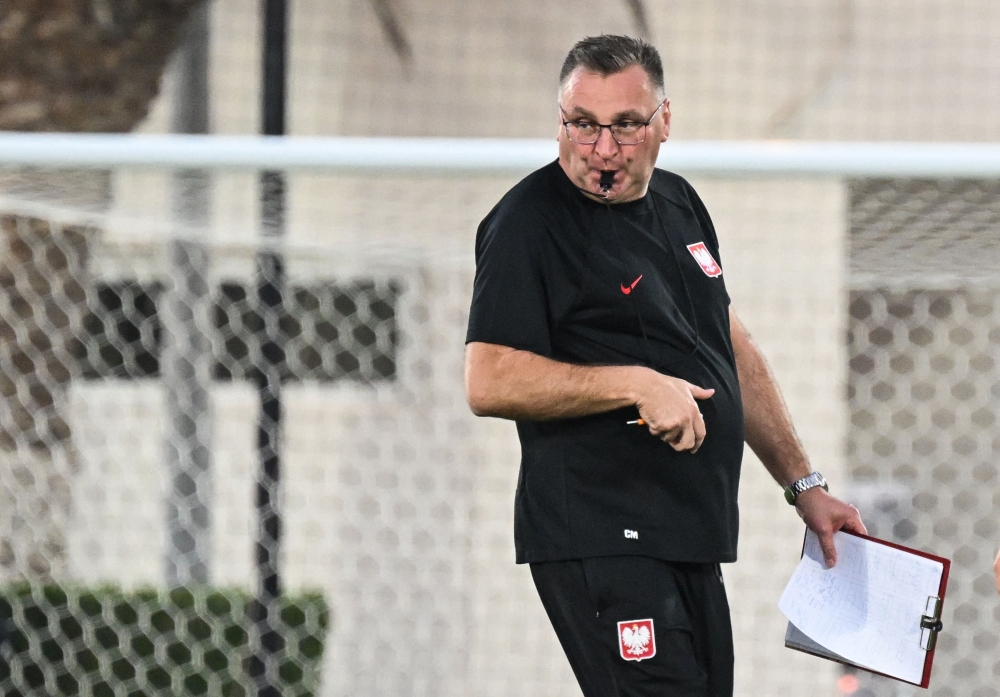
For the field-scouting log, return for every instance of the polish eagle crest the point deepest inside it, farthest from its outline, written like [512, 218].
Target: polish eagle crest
[705, 259]
[636, 639]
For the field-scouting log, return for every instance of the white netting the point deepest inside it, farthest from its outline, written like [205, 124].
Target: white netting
[395, 501]
[924, 344]
[136, 312]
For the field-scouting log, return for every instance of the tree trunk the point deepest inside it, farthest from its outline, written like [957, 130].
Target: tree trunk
[65, 65]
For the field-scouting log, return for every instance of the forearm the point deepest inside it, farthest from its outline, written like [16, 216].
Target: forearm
[770, 434]
[513, 384]
[769, 430]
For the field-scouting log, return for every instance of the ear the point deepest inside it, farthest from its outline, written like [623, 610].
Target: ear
[666, 121]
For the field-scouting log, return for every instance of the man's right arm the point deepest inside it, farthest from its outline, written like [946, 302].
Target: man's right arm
[514, 384]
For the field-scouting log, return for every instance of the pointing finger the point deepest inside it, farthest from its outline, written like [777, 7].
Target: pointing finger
[829, 550]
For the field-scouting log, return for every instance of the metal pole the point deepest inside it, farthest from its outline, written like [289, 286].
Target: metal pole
[185, 364]
[269, 293]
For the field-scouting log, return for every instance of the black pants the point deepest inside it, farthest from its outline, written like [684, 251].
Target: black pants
[598, 605]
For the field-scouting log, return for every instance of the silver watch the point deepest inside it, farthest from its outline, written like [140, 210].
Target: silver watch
[793, 490]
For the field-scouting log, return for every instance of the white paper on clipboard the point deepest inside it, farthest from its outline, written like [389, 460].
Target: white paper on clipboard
[867, 608]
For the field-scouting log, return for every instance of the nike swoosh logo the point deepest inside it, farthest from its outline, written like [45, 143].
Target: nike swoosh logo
[628, 289]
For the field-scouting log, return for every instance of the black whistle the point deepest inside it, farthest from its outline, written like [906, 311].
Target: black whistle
[607, 180]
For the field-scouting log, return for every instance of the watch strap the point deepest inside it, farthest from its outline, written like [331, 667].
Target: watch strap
[811, 480]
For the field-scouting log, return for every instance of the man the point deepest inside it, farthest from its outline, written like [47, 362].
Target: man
[600, 323]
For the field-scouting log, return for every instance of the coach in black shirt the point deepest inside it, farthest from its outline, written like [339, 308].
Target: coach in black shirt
[601, 324]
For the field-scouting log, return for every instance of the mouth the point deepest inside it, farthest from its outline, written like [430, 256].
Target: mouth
[606, 179]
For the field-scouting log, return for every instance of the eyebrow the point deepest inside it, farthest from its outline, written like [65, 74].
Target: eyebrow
[627, 115]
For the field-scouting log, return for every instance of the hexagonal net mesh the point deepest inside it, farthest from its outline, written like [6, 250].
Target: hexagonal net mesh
[924, 345]
[234, 450]
[235, 456]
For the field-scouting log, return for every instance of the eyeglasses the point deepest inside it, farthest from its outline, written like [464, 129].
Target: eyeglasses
[584, 132]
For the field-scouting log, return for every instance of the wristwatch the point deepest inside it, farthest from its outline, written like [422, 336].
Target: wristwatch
[793, 490]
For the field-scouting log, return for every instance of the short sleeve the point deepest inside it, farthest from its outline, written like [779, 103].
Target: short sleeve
[510, 305]
[705, 221]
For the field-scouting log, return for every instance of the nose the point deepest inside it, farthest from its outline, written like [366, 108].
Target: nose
[606, 145]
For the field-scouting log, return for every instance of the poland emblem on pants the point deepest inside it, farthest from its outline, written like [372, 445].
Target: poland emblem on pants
[636, 640]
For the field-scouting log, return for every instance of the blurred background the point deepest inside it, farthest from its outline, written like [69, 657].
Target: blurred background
[235, 454]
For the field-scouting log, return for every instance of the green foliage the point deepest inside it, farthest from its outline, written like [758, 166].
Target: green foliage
[106, 642]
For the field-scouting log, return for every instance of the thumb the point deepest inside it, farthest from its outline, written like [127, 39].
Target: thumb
[700, 392]
[855, 524]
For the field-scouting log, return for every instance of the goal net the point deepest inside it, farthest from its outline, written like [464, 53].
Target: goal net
[235, 453]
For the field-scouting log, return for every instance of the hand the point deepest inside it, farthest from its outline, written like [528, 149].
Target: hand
[824, 515]
[668, 407]
[996, 571]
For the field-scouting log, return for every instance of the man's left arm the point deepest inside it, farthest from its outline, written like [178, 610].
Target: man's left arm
[770, 435]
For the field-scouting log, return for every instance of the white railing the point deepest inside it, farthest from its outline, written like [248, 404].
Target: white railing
[492, 155]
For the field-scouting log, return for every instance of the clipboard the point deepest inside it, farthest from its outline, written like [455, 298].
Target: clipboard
[928, 620]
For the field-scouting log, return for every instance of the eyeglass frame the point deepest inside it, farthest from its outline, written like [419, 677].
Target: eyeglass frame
[609, 126]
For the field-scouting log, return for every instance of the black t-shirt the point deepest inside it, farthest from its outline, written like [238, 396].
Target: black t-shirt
[637, 283]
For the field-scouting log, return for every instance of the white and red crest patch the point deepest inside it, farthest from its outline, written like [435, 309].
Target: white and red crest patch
[636, 640]
[705, 259]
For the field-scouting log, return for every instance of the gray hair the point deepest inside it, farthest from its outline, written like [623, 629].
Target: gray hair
[609, 54]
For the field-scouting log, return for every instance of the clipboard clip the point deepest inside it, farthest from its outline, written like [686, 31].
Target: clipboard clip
[930, 623]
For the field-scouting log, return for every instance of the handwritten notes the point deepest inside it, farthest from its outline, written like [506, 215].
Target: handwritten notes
[867, 608]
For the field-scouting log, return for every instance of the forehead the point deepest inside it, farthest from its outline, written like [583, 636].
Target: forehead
[606, 96]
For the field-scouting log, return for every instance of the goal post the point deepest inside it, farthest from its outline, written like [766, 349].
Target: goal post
[396, 503]
[490, 155]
